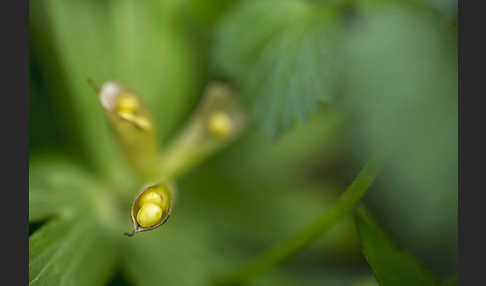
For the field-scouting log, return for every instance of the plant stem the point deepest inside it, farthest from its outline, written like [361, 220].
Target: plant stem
[345, 204]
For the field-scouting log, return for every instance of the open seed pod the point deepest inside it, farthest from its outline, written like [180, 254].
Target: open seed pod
[151, 207]
[220, 113]
[218, 120]
[131, 122]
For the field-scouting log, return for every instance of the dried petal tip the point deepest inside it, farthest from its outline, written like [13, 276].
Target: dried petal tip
[151, 207]
[108, 94]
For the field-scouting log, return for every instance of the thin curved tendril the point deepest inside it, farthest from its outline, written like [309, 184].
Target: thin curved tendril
[278, 254]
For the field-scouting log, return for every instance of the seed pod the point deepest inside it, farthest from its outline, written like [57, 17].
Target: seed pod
[218, 120]
[131, 123]
[151, 207]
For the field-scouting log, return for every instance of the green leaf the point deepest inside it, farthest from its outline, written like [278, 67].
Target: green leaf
[391, 266]
[72, 250]
[56, 187]
[282, 54]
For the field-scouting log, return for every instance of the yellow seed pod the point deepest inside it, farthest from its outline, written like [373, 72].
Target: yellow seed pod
[218, 120]
[149, 215]
[151, 207]
[130, 121]
[220, 124]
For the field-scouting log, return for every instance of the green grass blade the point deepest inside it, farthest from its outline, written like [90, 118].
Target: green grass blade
[391, 266]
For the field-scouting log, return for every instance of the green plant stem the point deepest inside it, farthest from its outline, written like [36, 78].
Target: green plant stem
[345, 204]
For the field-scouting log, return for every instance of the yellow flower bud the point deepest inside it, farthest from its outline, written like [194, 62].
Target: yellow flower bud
[149, 215]
[220, 124]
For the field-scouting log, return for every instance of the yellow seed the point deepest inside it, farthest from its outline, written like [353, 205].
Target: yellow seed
[127, 103]
[129, 116]
[143, 122]
[151, 197]
[220, 124]
[149, 215]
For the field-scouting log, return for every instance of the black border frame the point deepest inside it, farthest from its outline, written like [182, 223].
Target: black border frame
[471, 195]
[14, 120]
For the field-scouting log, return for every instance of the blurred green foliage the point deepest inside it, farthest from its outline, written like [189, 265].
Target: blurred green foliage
[331, 81]
[407, 105]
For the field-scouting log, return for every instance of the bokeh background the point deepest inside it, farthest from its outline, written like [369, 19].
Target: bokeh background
[394, 87]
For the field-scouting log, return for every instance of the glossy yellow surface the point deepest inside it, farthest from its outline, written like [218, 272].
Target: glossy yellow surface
[127, 107]
[149, 215]
[151, 197]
